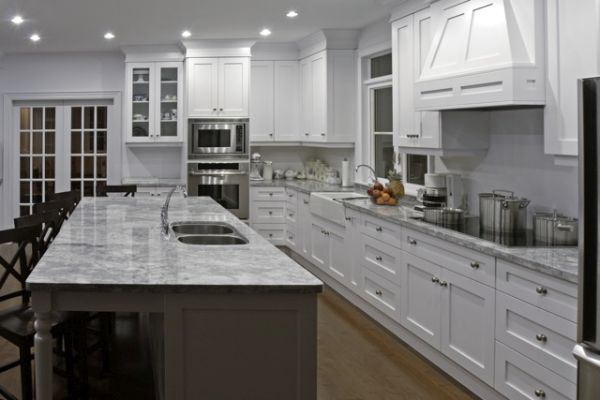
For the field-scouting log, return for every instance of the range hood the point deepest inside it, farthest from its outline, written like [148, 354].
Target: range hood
[484, 53]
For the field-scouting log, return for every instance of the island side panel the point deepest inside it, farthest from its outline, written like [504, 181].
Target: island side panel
[234, 346]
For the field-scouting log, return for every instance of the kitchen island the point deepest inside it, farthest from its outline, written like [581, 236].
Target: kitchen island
[238, 321]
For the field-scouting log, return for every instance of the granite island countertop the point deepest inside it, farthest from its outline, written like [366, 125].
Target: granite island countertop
[115, 244]
[561, 262]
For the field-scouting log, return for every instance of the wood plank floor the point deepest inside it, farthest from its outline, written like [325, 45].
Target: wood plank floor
[358, 360]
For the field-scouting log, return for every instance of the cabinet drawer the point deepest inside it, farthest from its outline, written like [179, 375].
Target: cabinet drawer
[291, 238]
[381, 230]
[291, 216]
[544, 291]
[381, 293]
[275, 233]
[381, 258]
[266, 212]
[540, 335]
[291, 196]
[268, 193]
[517, 377]
[472, 264]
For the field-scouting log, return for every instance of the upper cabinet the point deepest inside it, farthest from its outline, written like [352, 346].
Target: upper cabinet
[153, 102]
[274, 101]
[328, 93]
[573, 43]
[218, 87]
[427, 132]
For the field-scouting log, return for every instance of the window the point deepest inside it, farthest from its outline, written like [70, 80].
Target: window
[380, 66]
[383, 143]
[414, 167]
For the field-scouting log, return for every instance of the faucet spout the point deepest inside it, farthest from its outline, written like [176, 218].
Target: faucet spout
[164, 211]
[369, 168]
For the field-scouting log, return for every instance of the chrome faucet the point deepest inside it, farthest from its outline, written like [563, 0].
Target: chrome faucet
[370, 169]
[164, 211]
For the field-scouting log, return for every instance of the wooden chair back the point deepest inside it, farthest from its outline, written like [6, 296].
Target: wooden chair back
[60, 207]
[127, 190]
[50, 223]
[73, 195]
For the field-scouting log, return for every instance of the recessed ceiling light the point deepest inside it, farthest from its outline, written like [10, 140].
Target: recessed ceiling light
[186, 34]
[292, 14]
[35, 37]
[17, 20]
[265, 32]
[109, 36]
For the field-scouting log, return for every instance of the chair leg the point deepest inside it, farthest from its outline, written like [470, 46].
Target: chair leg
[70, 365]
[26, 377]
[106, 330]
[82, 359]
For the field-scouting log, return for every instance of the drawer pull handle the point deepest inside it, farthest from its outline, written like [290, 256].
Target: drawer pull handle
[270, 212]
[435, 279]
[291, 215]
[378, 292]
[379, 229]
[412, 241]
[290, 195]
[541, 290]
[541, 337]
[443, 284]
[290, 237]
[379, 258]
[270, 194]
[540, 393]
[348, 219]
[270, 235]
[306, 201]
[326, 233]
[475, 265]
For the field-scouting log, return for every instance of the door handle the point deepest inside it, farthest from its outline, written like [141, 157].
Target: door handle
[475, 265]
[379, 229]
[379, 258]
[540, 393]
[443, 284]
[541, 337]
[378, 292]
[541, 290]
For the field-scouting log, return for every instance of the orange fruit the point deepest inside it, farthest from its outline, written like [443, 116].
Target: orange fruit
[376, 193]
[385, 196]
[380, 201]
[392, 201]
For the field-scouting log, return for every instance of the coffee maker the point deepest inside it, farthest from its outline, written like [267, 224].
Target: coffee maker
[442, 190]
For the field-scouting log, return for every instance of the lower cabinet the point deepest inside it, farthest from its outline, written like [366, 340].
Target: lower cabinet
[329, 249]
[267, 213]
[305, 231]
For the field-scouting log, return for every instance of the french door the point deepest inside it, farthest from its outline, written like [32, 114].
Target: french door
[62, 146]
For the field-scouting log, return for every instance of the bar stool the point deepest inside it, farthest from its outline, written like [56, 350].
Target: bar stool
[128, 190]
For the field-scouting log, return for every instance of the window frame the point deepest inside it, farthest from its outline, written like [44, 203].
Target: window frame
[370, 90]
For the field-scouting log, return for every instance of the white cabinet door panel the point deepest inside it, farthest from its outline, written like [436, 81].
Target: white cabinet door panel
[286, 106]
[234, 83]
[306, 102]
[319, 246]
[203, 86]
[319, 97]
[261, 101]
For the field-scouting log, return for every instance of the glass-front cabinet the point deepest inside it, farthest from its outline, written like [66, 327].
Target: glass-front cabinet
[154, 102]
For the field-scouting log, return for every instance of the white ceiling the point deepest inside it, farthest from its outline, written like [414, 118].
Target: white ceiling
[79, 25]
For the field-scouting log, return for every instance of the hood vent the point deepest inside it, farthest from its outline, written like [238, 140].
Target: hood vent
[484, 53]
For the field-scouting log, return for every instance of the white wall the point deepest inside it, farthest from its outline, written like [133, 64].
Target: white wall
[516, 161]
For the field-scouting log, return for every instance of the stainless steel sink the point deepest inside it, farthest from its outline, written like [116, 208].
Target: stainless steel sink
[201, 228]
[212, 240]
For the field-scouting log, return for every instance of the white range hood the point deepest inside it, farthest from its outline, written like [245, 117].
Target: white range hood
[484, 53]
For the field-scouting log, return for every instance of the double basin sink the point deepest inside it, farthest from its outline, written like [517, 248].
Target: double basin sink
[207, 233]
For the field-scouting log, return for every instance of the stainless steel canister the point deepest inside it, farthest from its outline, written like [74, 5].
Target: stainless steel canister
[502, 212]
[555, 230]
[443, 216]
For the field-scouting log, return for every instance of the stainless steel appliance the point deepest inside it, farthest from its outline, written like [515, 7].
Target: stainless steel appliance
[218, 137]
[587, 351]
[226, 181]
[442, 190]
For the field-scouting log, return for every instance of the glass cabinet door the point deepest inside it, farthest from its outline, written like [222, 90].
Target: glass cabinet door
[168, 93]
[141, 98]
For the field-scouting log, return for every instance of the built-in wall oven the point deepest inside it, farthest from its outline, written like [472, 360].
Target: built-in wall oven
[225, 181]
[218, 137]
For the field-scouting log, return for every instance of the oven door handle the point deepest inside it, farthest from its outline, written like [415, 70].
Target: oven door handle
[217, 174]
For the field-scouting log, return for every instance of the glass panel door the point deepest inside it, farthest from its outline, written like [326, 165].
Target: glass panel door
[141, 97]
[169, 97]
[88, 147]
[37, 151]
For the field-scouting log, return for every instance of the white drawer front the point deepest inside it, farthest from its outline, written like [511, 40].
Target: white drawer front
[291, 238]
[291, 196]
[275, 233]
[546, 292]
[291, 216]
[381, 293]
[472, 264]
[540, 335]
[381, 230]
[381, 258]
[266, 212]
[519, 378]
[268, 193]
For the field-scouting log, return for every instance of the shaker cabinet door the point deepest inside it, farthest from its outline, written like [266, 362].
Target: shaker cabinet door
[203, 87]
[286, 107]
[261, 101]
[234, 85]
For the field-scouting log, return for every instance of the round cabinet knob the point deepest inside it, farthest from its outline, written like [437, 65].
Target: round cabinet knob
[379, 229]
[412, 241]
[322, 134]
[270, 134]
[270, 194]
[541, 337]
[475, 265]
[435, 279]
[541, 290]
[290, 195]
[379, 258]
[306, 134]
[306, 201]
[270, 212]
[443, 284]
[348, 219]
[540, 393]
[270, 235]
[214, 109]
[290, 237]
[378, 292]
[220, 109]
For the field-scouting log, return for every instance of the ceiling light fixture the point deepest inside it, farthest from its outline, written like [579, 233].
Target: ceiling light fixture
[265, 32]
[186, 34]
[109, 36]
[35, 37]
[292, 14]
[17, 20]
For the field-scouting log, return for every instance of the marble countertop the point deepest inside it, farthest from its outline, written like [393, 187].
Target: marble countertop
[305, 186]
[557, 261]
[115, 244]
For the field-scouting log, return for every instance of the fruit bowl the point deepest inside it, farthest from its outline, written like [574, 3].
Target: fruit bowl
[382, 195]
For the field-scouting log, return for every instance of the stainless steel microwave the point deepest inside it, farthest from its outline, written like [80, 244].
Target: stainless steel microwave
[218, 137]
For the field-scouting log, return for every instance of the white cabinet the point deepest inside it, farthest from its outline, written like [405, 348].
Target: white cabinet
[319, 244]
[331, 248]
[573, 44]
[328, 90]
[267, 213]
[153, 102]
[304, 225]
[274, 98]
[218, 87]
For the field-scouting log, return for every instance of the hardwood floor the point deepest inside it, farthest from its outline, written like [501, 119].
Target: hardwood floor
[358, 360]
